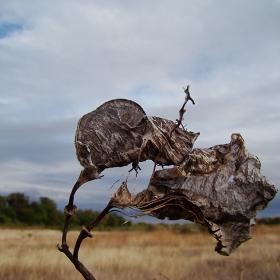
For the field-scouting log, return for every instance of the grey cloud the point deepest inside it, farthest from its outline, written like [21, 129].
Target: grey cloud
[70, 57]
[39, 141]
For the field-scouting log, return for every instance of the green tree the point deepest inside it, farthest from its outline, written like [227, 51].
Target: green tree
[3, 211]
[48, 214]
[19, 207]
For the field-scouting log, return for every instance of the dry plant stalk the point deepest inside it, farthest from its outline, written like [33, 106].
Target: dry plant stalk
[220, 187]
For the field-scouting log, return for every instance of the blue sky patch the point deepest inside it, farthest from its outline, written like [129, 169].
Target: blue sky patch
[8, 28]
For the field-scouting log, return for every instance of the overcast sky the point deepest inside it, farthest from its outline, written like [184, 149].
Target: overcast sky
[61, 59]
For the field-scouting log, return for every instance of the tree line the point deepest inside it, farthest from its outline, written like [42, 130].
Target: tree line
[16, 209]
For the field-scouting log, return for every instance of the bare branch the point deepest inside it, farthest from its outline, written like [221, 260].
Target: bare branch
[79, 266]
[85, 232]
[183, 110]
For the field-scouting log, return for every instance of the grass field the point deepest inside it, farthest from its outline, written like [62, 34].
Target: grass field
[151, 255]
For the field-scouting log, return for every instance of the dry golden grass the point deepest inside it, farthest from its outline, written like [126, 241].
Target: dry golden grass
[155, 255]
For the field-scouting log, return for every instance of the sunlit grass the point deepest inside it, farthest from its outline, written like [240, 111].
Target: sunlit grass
[152, 255]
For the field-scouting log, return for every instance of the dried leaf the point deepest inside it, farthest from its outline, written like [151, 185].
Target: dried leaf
[221, 187]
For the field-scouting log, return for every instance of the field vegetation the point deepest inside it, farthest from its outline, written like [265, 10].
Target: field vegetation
[161, 253]
[30, 231]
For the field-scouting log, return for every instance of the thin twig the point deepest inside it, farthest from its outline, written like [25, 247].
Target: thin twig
[85, 232]
[182, 110]
[117, 181]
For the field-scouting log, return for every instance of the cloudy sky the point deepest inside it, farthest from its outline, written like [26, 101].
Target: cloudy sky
[61, 59]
